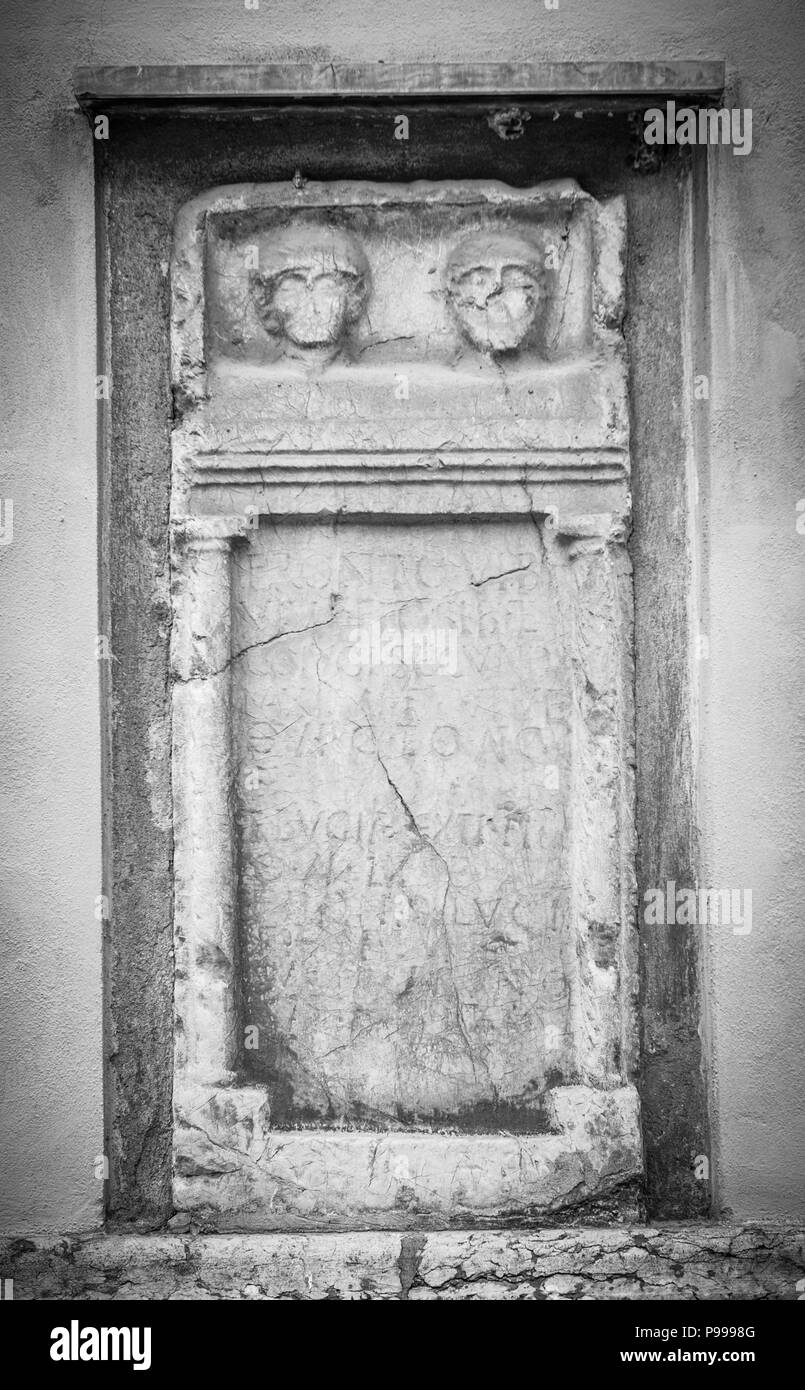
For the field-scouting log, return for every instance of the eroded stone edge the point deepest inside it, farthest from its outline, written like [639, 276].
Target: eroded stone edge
[669, 1262]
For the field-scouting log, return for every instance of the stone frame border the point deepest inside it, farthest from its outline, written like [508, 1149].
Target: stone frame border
[133, 530]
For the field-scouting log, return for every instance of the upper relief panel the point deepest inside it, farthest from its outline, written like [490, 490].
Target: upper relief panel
[353, 316]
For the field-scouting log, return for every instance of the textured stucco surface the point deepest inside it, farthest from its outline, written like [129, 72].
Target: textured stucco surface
[753, 559]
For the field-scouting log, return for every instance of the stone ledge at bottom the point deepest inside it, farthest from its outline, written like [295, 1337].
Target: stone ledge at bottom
[669, 1262]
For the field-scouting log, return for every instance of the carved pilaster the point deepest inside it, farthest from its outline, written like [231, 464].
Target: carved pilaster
[204, 868]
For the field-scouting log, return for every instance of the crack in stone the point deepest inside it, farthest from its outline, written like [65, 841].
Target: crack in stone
[428, 843]
[266, 642]
[407, 812]
[569, 280]
[477, 583]
[240, 1153]
[291, 632]
[382, 342]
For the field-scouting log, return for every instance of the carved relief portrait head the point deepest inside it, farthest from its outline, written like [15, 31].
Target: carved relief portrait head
[311, 287]
[495, 286]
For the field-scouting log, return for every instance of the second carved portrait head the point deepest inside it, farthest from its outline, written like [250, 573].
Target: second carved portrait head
[495, 286]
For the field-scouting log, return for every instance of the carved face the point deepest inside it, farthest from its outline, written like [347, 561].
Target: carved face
[494, 284]
[312, 285]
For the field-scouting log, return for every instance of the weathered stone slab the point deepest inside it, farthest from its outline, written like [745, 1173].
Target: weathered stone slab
[403, 800]
[402, 715]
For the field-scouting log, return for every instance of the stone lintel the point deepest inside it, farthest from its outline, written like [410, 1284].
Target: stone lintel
[200, 87]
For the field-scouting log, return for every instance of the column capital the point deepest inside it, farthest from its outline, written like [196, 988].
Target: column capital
[210, 532]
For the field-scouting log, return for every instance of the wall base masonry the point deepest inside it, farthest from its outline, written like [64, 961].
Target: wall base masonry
[664, 1262]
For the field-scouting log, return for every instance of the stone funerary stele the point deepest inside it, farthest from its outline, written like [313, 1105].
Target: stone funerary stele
[402, 722]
